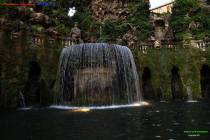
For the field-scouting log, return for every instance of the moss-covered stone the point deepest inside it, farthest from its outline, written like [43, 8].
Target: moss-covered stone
[16, 57]
[160, 62]
[17, 54]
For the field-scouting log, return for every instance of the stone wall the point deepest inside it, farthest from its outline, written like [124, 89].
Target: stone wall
[19, 61]
[160, 63]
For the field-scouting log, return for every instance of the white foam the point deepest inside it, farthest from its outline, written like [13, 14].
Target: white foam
[192, 101]
[163, 101]
[25, 108]
[99, 107]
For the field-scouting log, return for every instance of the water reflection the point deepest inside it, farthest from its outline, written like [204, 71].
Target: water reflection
[134, 123]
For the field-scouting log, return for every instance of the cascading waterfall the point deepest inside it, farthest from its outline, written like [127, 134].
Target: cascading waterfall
[97, 74]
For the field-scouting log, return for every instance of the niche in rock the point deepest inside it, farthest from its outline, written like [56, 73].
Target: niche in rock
[148, 92]
[32, 87]
[160, 23]
[176, 84]
[205, 81]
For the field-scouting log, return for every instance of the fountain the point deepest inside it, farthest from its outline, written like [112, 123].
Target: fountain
[97, 74]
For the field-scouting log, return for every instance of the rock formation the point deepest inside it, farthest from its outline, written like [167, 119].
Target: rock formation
[51, 31]
[106, 9]
[130, 37]
[39, 18]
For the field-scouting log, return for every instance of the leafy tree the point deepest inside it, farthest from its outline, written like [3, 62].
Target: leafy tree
[185, 12]
[113, 30]
[140, 18]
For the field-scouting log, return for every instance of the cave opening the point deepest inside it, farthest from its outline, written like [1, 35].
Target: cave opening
[176, 84]
[32, 87]
[34, 70]
[205, 81]
[148, 91]
[160, 23]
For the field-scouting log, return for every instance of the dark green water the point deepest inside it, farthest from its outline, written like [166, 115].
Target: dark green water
[164, 121]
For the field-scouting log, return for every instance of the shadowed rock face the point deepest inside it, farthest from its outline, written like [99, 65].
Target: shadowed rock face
[32, 87]
[205, 81]
[97, 74]
[112, 9]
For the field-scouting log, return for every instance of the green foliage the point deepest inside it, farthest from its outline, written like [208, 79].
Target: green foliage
[37, 28]
[140, 18]
[84, 18]
[61, 28]
[61, 21]
[112, 30]
[182, 7]
[185, 12]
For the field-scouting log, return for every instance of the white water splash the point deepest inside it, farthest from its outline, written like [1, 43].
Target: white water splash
[99, 107]
[25, 108]
[192, 101]
[189, 94]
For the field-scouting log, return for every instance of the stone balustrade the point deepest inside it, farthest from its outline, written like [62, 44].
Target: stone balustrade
[40, 40]
[200, 44]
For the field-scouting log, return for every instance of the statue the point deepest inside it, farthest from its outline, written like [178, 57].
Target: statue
[157, 44]
[76, 34]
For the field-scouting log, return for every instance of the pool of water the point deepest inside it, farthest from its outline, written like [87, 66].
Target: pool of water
[164, 121]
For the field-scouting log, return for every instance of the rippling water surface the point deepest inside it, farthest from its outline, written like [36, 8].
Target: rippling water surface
[164, 121]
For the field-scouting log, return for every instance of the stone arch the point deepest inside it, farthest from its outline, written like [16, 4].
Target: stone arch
[34, 69]
[148, 90]
[32, 86]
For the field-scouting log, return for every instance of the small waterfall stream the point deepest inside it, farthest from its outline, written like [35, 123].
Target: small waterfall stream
[21, 99]
[189, 95]
[97, 74]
